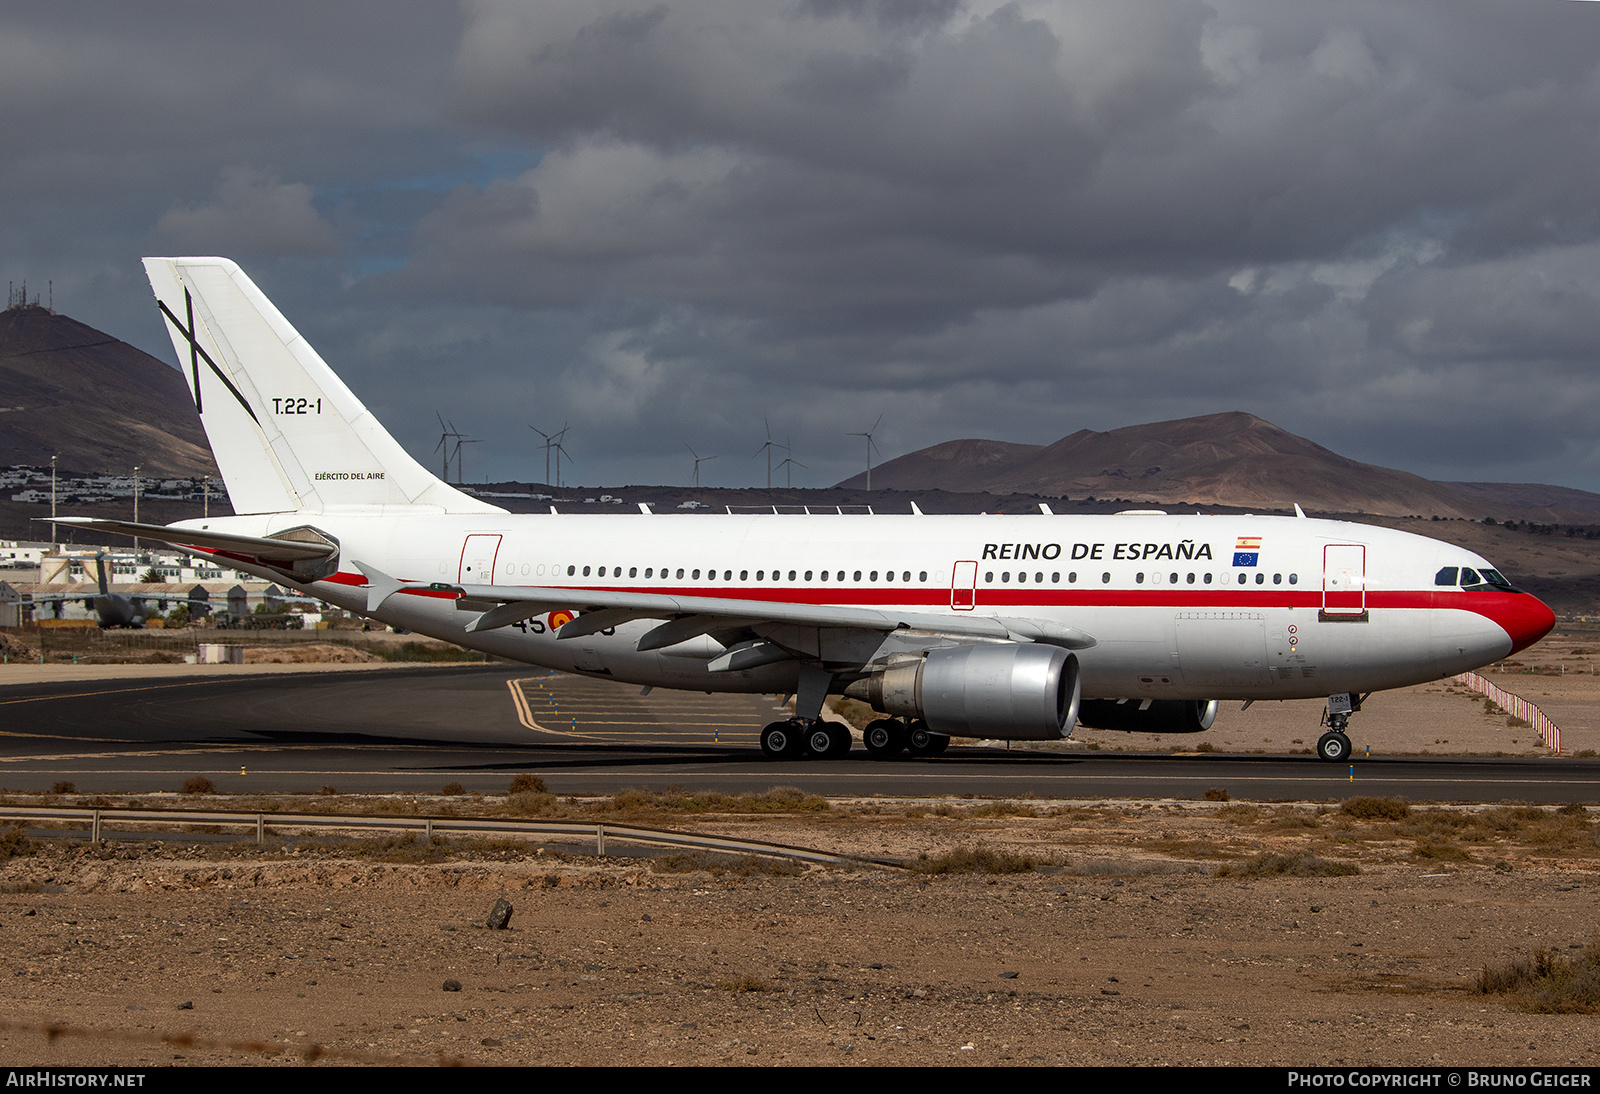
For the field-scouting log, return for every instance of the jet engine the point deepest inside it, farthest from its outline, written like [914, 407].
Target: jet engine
[1012, 690]
[1154, 716]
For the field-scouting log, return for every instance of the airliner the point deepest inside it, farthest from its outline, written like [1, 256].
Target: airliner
[984, 626]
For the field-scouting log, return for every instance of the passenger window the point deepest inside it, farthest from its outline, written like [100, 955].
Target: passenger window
[1294, 579]
[841, 575]
[586, 571]
[858, 576]
[1138, 578]
[571, 570]
[874, 576]
[633, 571]
[680, 573]
[1206, 578]
[988, 577]
[1191, 579]
[1446, 576]
[1243, 578]
[697, 575]
[1277, 579]
[907, 576]
[1055, 578]
[1005, 578]
[744, 575]
[1105, 578]
[922, 575]
[1261, 579]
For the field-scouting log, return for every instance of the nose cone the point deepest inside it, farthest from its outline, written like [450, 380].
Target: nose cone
[1525, 618]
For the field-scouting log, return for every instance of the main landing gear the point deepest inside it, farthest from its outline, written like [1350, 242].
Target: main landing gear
[796, 737]
[886, 739]
[1334, 746]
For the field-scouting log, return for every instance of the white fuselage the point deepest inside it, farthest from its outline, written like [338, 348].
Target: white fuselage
[1181, 607]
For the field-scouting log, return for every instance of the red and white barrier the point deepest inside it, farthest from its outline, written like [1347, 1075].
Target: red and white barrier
[1517, 707]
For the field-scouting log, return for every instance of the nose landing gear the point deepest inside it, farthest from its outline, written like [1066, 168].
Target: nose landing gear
[1334, 746]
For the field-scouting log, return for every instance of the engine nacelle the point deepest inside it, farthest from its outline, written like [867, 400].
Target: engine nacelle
[1161, 716]
[1015, 691]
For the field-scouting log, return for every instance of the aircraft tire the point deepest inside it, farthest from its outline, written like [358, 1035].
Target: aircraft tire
[885, 739]
[782, 741]
[822, 739]
[1333, 747]
[922, 741]
[841, 742]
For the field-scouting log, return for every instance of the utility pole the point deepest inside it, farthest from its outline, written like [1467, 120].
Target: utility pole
[207, 497]
[136, 512]
[53, 460]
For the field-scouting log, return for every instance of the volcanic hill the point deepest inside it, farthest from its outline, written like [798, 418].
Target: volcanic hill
[103, 406]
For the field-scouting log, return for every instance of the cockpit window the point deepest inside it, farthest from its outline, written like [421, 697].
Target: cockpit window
[1446, 576]
[1494, 580]
[1485, 580]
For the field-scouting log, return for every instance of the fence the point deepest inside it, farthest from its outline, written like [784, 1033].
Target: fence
[1517, 707]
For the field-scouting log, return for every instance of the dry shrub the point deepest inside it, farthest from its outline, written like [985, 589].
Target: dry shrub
[63, 788]
[1440, 851]
[14, 841]
[744, 983]
[527, 784]
[1216, 794]
[973, 860]
[1391, 809]
[1299, 864]
[453, 790]
[1547, 982]
[687, 862]
[780, 799]
[198, 784]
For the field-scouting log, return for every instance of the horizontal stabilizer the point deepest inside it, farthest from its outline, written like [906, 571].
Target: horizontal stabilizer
[296, 545]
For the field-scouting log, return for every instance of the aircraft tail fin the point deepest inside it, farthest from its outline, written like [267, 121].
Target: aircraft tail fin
[287, 434]
[100, 572]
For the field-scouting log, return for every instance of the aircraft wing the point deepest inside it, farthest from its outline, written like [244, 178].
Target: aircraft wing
[690, 616]
[286, 548]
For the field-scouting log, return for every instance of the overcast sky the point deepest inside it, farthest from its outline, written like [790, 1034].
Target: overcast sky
[1374, 224]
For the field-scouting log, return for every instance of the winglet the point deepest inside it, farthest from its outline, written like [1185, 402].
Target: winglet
[915, 511]
[1299, 512]
[1046, 510]
[380, 586]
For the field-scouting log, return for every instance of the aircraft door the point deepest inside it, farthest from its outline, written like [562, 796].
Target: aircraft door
[478, 556]
[1344, 581]
[964, 586]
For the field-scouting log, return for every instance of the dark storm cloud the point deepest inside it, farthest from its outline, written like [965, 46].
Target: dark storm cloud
[1372, 223]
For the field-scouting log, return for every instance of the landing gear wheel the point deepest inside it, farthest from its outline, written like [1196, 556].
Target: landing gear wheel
[1333, 747]
[885, 739]
[841, 742]
[782, 740]
[827, 740]
[922, 741]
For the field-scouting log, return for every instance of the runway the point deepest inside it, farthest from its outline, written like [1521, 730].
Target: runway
[416, 729]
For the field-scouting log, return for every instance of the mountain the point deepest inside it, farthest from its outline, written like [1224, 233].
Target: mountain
[1233, 459]
[103, 406]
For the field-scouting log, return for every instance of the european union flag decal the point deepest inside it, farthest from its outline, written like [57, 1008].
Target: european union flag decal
[1245, 558]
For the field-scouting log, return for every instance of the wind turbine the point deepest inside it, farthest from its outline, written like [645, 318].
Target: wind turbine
[870, 446]
[698, 460]
[788, 465]
[548, 445]
[767, 448]
[461, 468]
[561, 450]
[445, 434]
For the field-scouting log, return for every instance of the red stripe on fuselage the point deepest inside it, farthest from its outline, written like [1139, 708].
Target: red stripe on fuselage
[1523, 617]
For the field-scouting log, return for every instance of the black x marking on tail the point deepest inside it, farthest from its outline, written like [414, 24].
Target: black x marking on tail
[197, 354]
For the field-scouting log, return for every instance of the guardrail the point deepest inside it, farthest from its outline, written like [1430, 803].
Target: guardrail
[600, 833]
[1517, 707]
